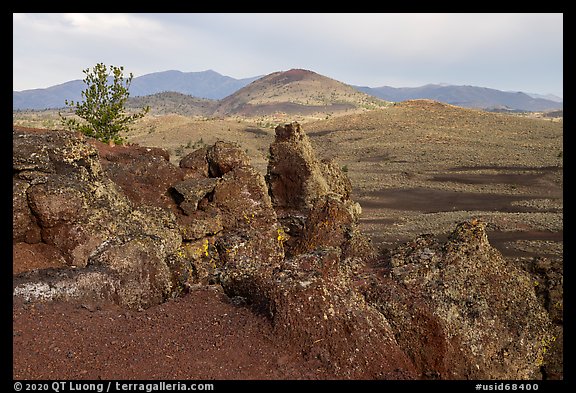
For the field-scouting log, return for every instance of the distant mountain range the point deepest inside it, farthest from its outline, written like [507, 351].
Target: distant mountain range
[550, 97]
[466, 96]
[205, 84]
[214, 86]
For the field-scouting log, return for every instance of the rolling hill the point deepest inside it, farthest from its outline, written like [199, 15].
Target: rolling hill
[172, 102]
[296, 91]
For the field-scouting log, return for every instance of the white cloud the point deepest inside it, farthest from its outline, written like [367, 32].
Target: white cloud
[367, 49]
[91, 24]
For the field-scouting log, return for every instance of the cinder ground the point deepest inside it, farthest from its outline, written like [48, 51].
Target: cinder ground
[201, 336]
[422, 166]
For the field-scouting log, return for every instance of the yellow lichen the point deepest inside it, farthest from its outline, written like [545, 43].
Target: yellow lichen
[205, 247]
[282, 237]
[545, 344]
[197, 251]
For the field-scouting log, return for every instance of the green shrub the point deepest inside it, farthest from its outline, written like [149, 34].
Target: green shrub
[103, 106]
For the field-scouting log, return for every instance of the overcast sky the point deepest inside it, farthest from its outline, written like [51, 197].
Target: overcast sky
[517, 52]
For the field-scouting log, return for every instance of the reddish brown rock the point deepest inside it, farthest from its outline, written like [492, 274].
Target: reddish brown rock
[311, 197]
[144, 174]
[196, 162]
[188, 193]
[294, 173]
[330, 223]
[485, 307]
[24, 224]
[81, 214]
[76, 242]
[243, 198]
[56, 202]
[39, 255]
[222, 157]
[228, 225]
[250, 246]
[419, 332]
[314, 305]
[199, 224]
[338, 182]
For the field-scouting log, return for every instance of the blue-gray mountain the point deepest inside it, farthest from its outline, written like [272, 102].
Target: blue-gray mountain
[205, 84]
[465, 96]
[212, 85]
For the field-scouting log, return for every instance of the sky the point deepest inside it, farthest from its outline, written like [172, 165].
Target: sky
[508, 51]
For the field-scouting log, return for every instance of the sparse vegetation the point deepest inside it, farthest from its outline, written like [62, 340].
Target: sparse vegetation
[179, 151]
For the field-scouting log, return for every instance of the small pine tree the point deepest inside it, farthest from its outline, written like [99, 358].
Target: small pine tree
[103, 105]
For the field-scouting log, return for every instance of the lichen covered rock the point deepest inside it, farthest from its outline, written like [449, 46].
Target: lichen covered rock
[315, 306]
[311, 197]
[294, 173]
[82, 216]
[489, 323]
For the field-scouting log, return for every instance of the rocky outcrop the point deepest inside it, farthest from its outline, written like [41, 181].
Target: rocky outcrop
[227, 223]
[286, 244]
[294, 177]
[143, 174]
[313, 303]
[311, 197]
[548, 277]
[477, 315]
[68, 205]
